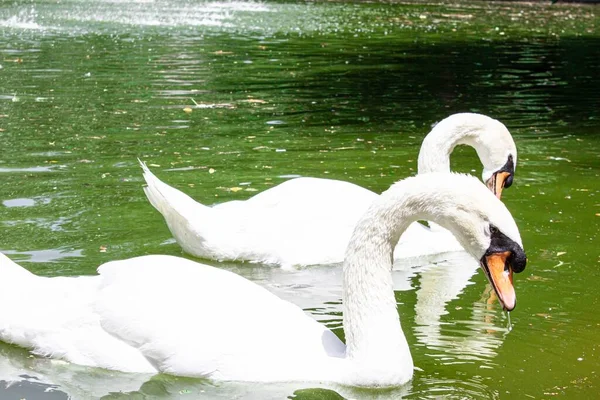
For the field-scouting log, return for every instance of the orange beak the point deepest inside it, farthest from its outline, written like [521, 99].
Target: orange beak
[496, 182]
[500, 274]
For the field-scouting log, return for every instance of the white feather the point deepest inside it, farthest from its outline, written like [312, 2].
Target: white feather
[309, 221]
[169, 314]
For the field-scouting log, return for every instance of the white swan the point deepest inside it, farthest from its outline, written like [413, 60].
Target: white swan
[173, 315]
[308, 221]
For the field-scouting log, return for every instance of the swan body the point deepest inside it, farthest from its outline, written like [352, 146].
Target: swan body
[309, 221]
[168, 314]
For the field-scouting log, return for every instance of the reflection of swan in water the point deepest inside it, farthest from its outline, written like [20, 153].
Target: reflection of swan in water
[441, 284]
[33, 375]
[26, 377]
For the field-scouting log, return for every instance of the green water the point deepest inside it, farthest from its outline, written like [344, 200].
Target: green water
[276, 90]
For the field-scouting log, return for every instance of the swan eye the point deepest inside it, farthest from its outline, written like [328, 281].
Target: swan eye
[508, 182]
[493, 230]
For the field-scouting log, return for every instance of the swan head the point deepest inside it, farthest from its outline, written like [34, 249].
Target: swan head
[498, 179]
[491, 139]
[503, 257]
[479, 220]
[496, 150]
[486, 229]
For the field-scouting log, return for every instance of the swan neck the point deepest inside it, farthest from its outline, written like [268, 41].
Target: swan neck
[437, 146]
[374, 336]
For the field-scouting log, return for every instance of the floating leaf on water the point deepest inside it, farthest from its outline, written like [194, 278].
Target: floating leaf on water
[558, 159]
[102, 249]
[154, 165]
[187, 110]
[256, 101]
[211, 171]
[536, 278]
[560, 253]
[235, 189]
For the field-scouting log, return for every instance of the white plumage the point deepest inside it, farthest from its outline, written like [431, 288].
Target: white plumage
[309, 221]
[168, 314]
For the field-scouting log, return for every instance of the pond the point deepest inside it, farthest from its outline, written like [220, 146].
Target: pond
[226, 99]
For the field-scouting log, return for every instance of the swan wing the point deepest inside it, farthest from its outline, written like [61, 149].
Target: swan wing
[192, 319]
[303, 221]
[54, 317]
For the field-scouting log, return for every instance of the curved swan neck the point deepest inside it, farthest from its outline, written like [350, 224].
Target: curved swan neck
[371, 322]
[375, 344]
[467, 129]
[374, 336]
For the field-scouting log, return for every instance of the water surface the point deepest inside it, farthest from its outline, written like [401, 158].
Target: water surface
[226, 99]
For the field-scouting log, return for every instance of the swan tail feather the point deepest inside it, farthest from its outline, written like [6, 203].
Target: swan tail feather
[183, 215]
[166, 198]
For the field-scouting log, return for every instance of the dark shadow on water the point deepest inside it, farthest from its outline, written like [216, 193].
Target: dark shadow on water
[541, 82]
